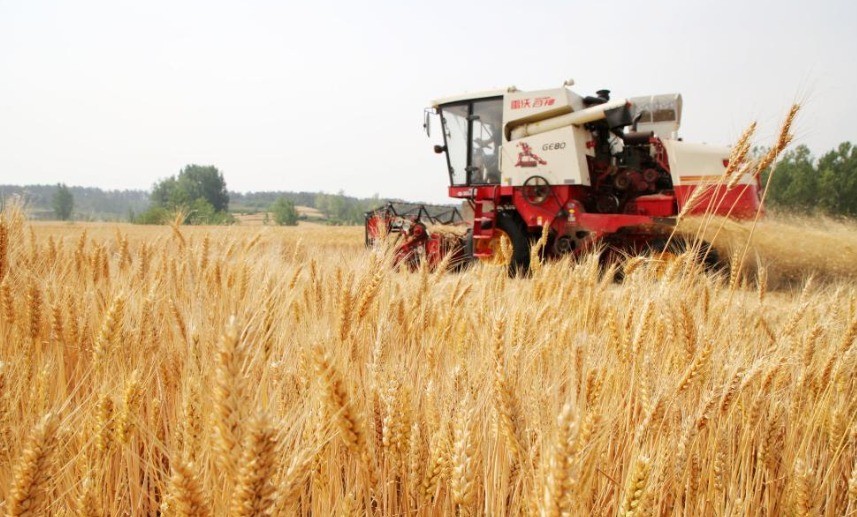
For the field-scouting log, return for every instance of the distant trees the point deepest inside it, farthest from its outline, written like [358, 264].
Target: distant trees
[341, 209]
[285, 213]
[837, 180]
[63, 202]
[94, 204]
[262, 200]
[198, 191]
[90, 203]
[828, 185]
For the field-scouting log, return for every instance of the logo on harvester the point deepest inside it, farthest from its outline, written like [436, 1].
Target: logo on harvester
[527, 158]
[538, 102]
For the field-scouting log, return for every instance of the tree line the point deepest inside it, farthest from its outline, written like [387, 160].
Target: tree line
[88, 203]
[338, 209]
[198, 192]
[803, 183]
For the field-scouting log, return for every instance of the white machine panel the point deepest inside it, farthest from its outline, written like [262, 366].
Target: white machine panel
[536, 105]
[659, 113]
[559, 156]
[692, 164]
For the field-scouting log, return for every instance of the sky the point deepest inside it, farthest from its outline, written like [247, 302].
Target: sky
[329, 96]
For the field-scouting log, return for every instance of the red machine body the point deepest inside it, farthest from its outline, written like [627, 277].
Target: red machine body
[523, 161]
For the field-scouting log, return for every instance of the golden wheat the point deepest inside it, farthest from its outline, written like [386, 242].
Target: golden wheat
[418, 393]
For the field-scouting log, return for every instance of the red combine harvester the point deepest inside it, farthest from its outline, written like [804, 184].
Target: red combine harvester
[595, 171]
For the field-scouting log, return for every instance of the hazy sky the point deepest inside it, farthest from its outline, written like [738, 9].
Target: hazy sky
[330, 96]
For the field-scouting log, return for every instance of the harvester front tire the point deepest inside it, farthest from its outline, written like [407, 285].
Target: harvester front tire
[466, 252]
[514, 228]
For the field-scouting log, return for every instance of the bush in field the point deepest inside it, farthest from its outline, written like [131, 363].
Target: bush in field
[202, 212]
[285, 213]
[154, 215]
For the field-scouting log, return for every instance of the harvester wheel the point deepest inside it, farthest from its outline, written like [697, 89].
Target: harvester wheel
[466, 252]
[705, 254]
[519, 261]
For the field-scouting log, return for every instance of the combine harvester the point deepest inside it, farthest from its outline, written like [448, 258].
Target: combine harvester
[595, 172]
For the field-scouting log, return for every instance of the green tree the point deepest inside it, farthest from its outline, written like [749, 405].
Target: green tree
[200, 191]
[828, 185]
[285, 213]
[795, 180]
[837, 171]
[206, 182]
[163, 193]
[63, 202]
[192, 183]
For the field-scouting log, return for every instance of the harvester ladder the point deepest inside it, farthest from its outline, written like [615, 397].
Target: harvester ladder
[484, 222]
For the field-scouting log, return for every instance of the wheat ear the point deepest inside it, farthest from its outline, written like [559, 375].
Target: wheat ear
[254, 491]
[463, 459]
[32, 472]
[186, 496]
[635, 492]
[228, 399]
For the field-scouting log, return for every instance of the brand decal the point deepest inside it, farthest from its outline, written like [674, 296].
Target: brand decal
[537, 102]
[554, 146]
[527, 158]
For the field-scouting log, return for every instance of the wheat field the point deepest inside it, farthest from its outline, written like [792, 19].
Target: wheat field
[236, 371]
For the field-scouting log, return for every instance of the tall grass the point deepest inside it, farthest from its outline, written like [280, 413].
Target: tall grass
[290, 371]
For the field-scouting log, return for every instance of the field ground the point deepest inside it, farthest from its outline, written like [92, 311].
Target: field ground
[239, 371]
[314, 216]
